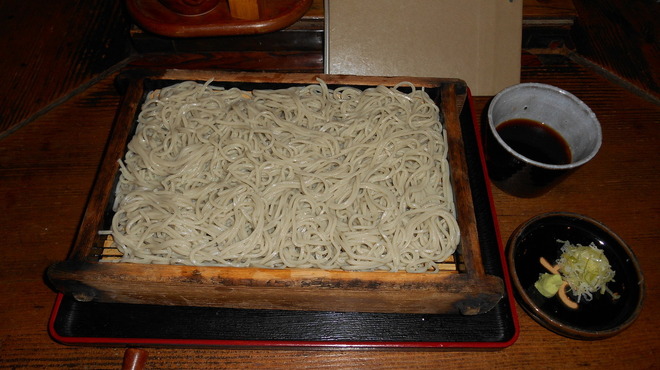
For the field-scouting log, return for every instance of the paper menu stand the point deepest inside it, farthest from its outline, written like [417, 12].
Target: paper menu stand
[478, 41]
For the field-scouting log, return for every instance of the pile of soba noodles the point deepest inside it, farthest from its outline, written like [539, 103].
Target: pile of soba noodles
[304, 177]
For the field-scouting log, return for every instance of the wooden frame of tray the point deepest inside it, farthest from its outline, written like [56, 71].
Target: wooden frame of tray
[461, 286]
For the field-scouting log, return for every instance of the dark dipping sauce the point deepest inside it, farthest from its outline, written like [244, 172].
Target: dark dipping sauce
[535, 141]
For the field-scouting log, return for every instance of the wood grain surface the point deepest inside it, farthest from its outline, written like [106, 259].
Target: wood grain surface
[47, 169]
[51, 49]
[549, 10]
[622, 38]
[48, 165]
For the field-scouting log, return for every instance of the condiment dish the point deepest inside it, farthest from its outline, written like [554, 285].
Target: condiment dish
[606, 314]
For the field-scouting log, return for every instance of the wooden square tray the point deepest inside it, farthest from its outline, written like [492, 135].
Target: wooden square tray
[462, 286]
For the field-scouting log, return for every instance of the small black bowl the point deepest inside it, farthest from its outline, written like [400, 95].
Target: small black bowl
[603, 316]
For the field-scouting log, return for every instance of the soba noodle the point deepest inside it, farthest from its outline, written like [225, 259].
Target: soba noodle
[305, 177]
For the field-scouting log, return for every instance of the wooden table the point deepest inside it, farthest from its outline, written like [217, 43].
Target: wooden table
[47, 168]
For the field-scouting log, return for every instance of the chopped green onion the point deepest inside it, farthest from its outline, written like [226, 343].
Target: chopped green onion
[585, 269]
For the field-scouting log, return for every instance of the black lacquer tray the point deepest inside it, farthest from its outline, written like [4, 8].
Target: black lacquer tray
[93, 323]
